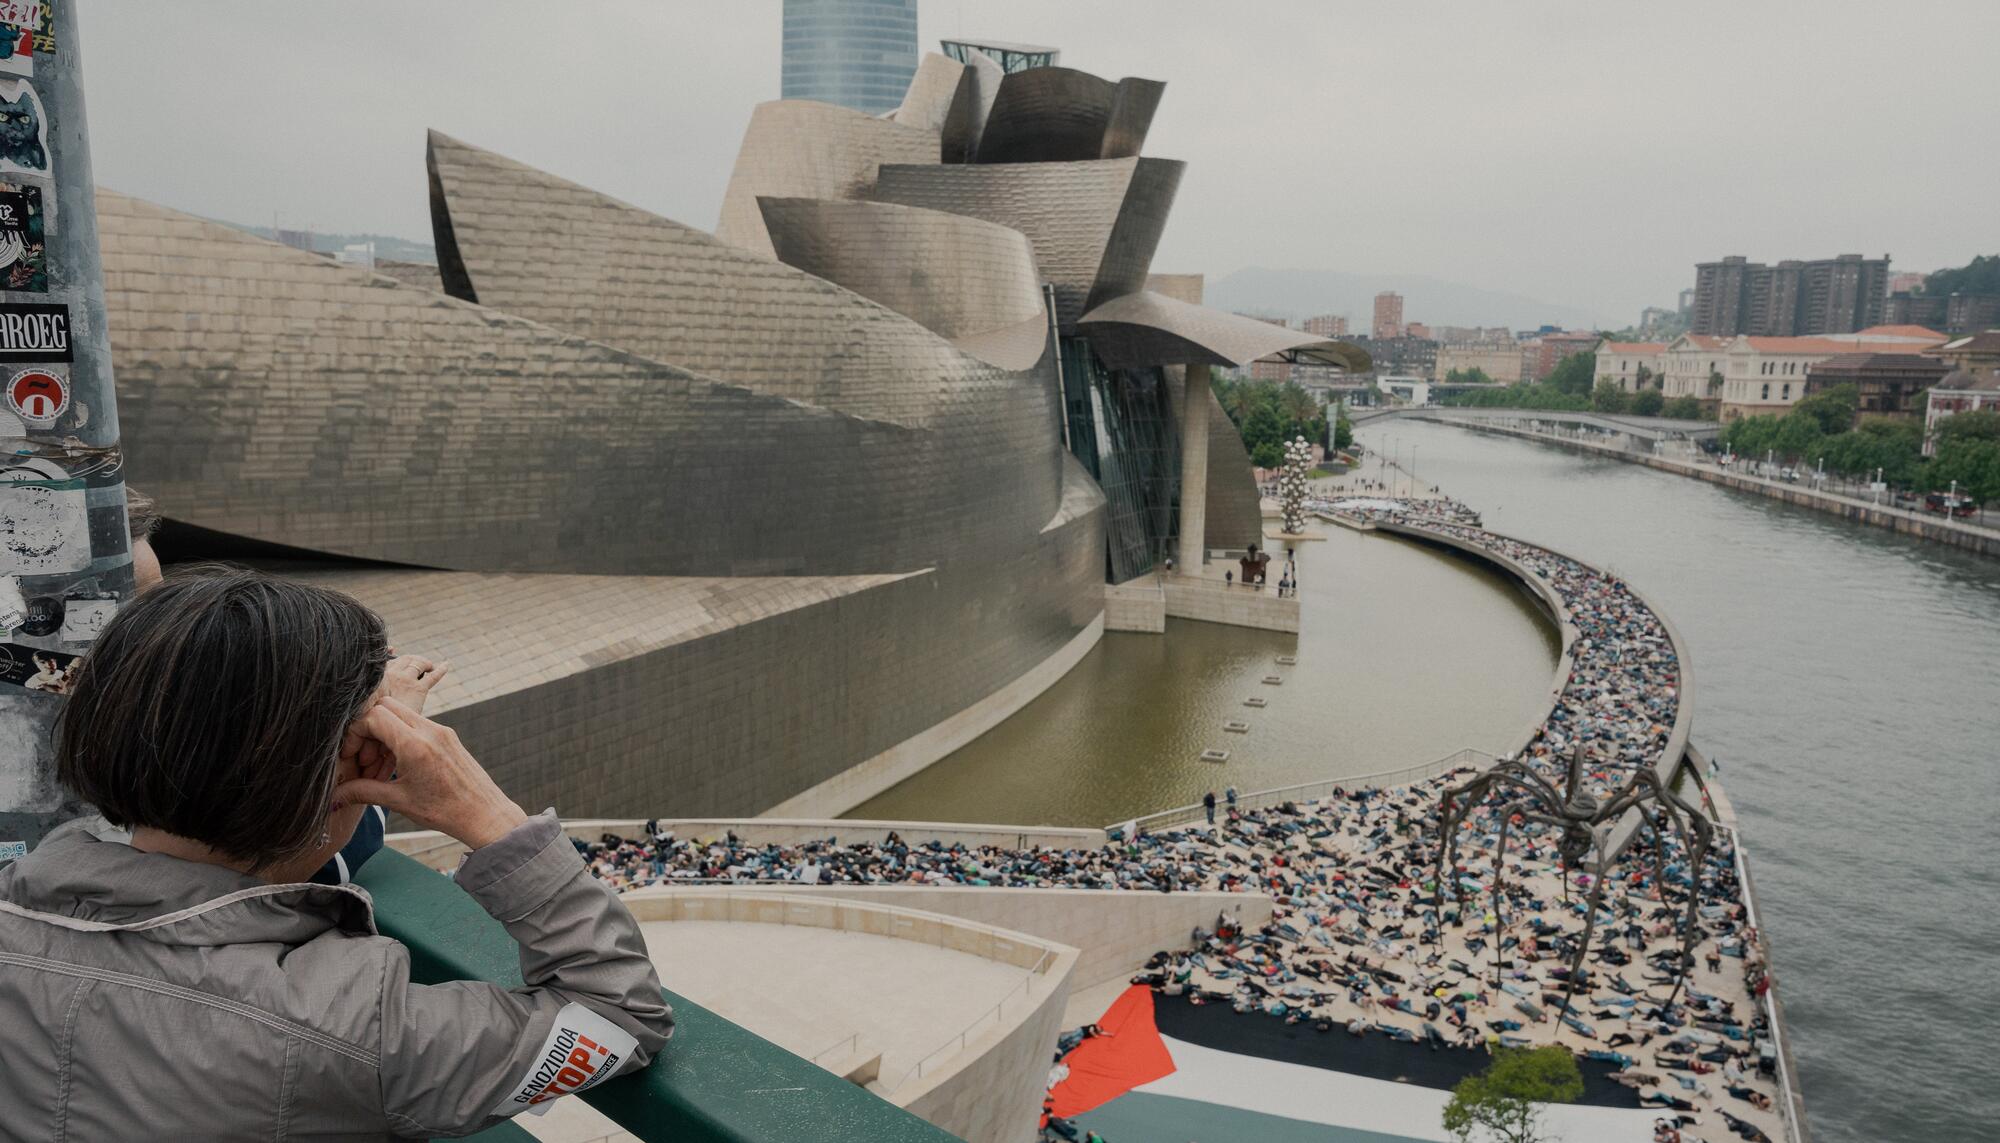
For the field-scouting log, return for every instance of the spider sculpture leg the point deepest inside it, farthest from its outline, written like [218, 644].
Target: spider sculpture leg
[1583, 946]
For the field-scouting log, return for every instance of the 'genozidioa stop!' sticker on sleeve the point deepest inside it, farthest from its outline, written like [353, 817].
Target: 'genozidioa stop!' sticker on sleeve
[582, 1050]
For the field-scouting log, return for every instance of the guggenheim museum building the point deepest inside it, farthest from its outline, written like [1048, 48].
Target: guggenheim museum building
[764, 519]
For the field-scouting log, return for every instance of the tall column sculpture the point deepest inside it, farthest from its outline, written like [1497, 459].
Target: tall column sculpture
[65, 556]
[1194, 471]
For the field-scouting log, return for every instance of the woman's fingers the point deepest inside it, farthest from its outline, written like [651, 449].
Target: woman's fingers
[371, 792]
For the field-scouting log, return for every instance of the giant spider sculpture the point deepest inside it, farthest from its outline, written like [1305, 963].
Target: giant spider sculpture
[1579, 814]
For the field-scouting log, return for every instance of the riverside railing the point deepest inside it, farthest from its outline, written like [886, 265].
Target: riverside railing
[955, 1045]
[715, 1081]
[1310, 791]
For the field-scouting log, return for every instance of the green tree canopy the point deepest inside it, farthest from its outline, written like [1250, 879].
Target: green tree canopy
[1608, 398]
[1574, 374]
[1472, 376]
[1979, 276]
[1682, 409]
[1647, 403]
[1343, 428]
[1832, 408]
[1267, 412]
[1502, 1101]
[1978, 425]
[1267, 455]
[1973, 464]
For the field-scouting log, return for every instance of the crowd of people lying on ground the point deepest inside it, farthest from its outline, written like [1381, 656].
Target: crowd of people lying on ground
[1360, 938]
[1399, 509]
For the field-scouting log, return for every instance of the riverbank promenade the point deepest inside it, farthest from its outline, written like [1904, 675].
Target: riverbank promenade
[1969, 535]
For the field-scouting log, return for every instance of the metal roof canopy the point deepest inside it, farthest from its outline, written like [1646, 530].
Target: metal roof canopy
[1148, 328]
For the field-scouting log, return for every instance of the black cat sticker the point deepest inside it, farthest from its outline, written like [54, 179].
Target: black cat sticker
[24, 129]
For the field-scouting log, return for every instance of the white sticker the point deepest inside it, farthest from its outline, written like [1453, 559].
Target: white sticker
[13, 850]
[582, 1049]
[44, 521]
[84, 618]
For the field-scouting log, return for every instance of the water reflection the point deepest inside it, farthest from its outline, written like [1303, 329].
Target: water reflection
[1404, 656]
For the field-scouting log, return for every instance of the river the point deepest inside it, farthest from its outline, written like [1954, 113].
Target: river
[1844, 678]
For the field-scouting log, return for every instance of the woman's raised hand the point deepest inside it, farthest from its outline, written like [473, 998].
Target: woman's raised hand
[418, 768]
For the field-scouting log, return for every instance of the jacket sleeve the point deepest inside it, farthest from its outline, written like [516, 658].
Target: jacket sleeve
[458, 1057]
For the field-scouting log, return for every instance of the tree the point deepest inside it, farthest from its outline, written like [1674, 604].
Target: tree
[1979, 276]
[1832, 408]
[1607, 398]
[1502, 1100]
[1798, 436]
[1682, 409]
[1267, 455]
[1343, 429]
[1574, 374]
[1974, 465]
[1978, 425]
[1647, 403]
[1644, 378]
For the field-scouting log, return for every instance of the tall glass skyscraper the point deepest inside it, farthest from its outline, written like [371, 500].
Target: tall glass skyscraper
[857, 53]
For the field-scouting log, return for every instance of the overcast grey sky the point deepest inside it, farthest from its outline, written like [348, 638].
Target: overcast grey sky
[1584, 153]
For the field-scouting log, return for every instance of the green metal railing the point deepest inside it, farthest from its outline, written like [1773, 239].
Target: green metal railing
[714, 1080]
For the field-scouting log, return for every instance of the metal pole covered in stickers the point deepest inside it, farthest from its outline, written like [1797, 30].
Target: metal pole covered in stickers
[65, 557]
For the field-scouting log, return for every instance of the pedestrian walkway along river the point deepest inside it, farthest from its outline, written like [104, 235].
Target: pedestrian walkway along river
[1847, 691]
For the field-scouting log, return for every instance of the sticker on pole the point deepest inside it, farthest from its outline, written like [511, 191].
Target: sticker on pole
[38, 396]
[44, 520]
[583, 1049]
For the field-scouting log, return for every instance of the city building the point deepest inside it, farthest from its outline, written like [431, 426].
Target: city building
[1693, 368]
[1906, 282]
[1890, 384]
[1952, 313]
[1499, 359]
[1653, 318]
[1963, 390]
[1541, 354]
[1768, 374]
[1403, 356]
[1976, 353]
[1790, 299]
[1631, 365]
[1417, 329]
[1388, 316]
[624, 622]
[854, 53]
[1685, 304]
[1327, 325]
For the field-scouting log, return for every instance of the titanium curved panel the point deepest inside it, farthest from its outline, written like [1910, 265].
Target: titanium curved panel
[554, 252]
[798, 149]
[1131, 117]
[953, 275]
[1048, 115]
[986, 77]
[269, 394]
[940, 99]
[1235, 511]
[1071, 212]
[1147, 328]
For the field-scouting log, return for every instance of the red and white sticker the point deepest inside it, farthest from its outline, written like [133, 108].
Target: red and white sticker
[38, 396]
[583, 1049]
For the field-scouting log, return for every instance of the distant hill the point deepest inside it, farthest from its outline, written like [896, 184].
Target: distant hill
[1433, 301]
[387, 247]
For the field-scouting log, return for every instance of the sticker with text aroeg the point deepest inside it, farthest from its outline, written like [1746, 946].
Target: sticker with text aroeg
[38, 396]
[34, 331]
[583, 1049]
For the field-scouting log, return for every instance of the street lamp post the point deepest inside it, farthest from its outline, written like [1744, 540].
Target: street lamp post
[66, 561]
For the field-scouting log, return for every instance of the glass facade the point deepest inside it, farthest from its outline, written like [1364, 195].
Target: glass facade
[856, 53]
[1121, 426]
[1010, 57]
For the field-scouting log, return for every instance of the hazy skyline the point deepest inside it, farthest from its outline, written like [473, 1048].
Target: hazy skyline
[1583, 154]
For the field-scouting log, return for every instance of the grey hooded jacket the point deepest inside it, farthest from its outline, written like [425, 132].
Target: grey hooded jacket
[146, 996]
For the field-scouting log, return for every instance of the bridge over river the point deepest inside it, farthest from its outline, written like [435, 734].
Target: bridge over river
[1639, 429]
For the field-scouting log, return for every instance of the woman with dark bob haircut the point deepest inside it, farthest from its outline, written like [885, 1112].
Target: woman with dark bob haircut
[178, 978]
